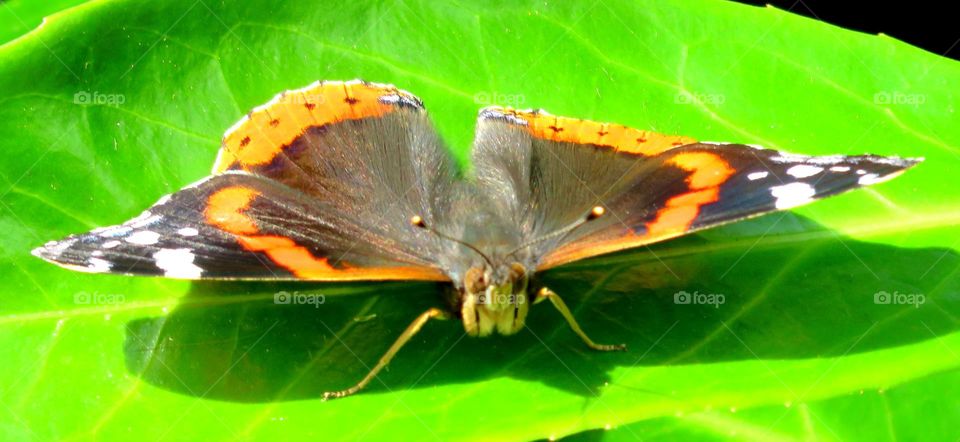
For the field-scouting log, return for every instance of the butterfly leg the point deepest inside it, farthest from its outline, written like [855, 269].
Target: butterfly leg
[410, 332]
[546, 293]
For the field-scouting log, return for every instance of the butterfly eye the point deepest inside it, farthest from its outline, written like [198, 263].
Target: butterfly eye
[517, 271]
[474, 281]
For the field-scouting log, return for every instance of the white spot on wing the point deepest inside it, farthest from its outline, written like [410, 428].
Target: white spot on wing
[188, 231]
[98, 265]
[792, 195]
[840, 169]
[177, 263]
[757, 175]
[143, 237]
[110, 244]
[872, 178]
[804, 170]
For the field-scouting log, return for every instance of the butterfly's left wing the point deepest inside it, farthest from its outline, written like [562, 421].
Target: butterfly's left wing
[317, 184]
[240, 226]
[553, 170]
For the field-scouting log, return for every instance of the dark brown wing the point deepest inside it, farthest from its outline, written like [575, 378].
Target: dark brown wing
[553, 170]
[317, 184]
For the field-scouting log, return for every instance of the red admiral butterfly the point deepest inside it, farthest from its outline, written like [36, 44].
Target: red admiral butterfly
[345, 181]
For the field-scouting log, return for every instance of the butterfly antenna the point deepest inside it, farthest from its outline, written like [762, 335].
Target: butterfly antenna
[417, 221]
[594, 213]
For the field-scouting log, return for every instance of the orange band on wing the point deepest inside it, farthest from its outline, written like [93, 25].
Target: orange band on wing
[680, 211]
[262, 134]
[225, 210]
[572, 130]
[708, 171]
[299, 261]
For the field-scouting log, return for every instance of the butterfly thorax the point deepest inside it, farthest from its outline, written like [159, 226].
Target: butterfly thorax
[494, 299]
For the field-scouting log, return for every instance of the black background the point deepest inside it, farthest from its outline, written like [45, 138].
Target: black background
[933, 26]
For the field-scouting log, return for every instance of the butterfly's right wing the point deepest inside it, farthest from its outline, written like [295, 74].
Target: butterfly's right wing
[553, 170]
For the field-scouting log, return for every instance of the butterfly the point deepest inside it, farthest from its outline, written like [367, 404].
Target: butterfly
[349, 181]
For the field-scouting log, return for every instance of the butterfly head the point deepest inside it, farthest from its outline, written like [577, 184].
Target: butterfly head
[494, 298]
[493, 292]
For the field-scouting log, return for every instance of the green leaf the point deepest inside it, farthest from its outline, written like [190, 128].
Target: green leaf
[114, 103]
[17, 17]
[903, 412]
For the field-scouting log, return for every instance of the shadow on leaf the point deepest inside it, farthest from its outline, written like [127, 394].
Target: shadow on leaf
[789, 289]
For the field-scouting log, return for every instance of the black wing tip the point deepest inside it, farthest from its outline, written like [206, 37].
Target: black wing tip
[53, 253]
[52, 250]
[888, 167]
[875, 169]
[827, 160]
[912, 161]
[41, 252]
[894, 160]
